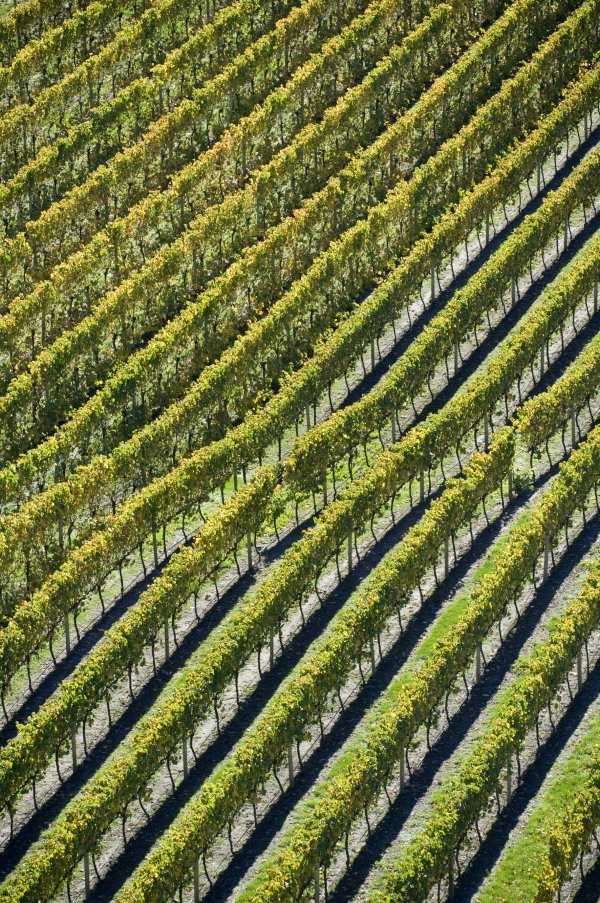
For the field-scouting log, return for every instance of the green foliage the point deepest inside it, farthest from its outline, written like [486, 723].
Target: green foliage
[213, 464]
[514, 878]
[342, 432]
[303, 166]
[341, 798]
[465, 793]
[216, 663]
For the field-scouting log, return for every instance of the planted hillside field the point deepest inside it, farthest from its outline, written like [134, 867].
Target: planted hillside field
[300, 451]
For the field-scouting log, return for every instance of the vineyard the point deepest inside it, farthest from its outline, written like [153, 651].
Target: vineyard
[300, 451]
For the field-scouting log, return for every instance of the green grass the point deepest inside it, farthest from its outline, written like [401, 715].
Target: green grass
[443, 624]
[513, 879]
[450, 616]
